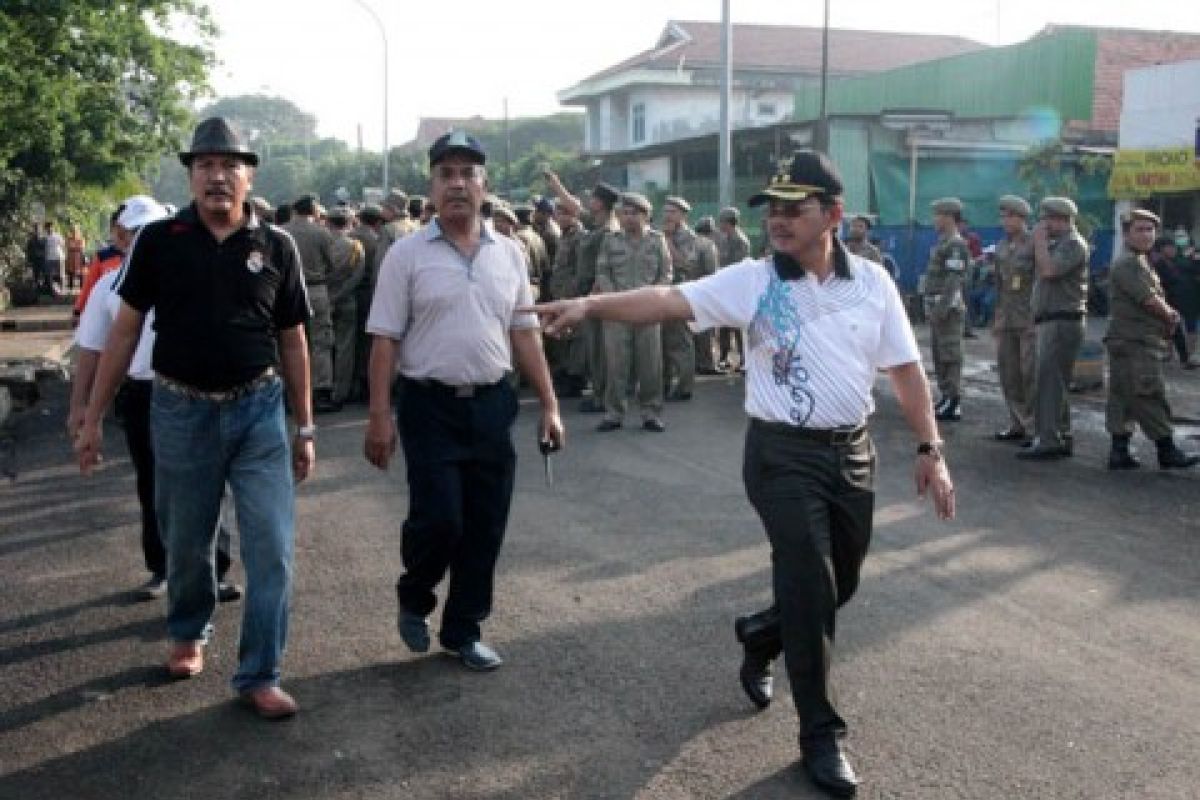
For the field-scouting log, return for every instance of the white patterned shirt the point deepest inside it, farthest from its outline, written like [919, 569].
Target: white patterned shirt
[814, 347]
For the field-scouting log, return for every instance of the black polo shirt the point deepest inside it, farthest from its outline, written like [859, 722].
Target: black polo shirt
[218, 307]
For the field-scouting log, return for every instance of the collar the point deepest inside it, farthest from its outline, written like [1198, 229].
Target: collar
[789, 269]
[433, 231]
[191, 216]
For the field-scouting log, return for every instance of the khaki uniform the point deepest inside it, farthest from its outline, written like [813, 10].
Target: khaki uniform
[349, 260]
[552, 238]
[539, 259]
[732, 249]
[679, 352]
[1136, 343]
[1013, 328]
[864, 249]
[369, 239]
[1058, 308]
[390, 233]
[624, 263]
[315, 245]
[565, 284]
[590, 245]
[706, 264]
[944, 308]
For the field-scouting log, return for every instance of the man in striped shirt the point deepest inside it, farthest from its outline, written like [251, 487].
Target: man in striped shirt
[820, 323]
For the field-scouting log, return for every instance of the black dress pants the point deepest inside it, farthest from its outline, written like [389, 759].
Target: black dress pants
[461, 465]
[816, 501]
[132, 406]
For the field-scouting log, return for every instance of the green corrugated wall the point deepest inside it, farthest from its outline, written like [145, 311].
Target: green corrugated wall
[1055, 72]
[848, 147]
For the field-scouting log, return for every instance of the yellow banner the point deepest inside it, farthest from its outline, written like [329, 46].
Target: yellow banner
[1142, 173]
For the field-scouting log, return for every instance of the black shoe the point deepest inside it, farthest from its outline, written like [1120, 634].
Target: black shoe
[759, 637]
[477, 656]
[654, 425]
[228, 591]
[1041, 452]
[1171, 457]
[608, 425]
[414, 630]
[1011, 435]
[1119, 456]
[591, 406]
[950, 411]
[679, 397]
[829, 770]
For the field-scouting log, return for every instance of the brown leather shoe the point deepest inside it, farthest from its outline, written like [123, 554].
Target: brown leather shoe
[270, 702]
[186, 660]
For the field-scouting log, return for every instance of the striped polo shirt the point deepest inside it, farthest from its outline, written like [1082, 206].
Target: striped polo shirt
[814, 346]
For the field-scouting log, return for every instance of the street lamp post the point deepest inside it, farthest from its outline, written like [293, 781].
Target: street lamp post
[383, 35]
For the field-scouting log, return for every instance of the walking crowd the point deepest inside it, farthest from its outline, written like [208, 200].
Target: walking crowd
[426, 309]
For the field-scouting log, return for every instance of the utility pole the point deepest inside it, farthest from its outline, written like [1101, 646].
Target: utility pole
[507, 153]
[725, 143]
[383, 35]
[821, 137]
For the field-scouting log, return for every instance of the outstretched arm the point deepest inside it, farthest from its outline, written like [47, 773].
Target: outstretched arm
[643, 306]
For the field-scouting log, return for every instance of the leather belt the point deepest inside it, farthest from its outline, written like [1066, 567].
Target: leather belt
[460, 391]
[1058, 316]
[827, 436]
[233, 393]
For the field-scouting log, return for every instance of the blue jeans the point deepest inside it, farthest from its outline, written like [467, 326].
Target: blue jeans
[199, 445]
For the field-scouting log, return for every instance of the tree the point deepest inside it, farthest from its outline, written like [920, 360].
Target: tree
[1049, 170]
[92, 92]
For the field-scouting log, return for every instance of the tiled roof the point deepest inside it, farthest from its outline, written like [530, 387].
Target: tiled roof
[790, 49]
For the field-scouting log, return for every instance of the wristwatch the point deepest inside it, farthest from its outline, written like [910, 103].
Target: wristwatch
[306, 432]
[931, 449]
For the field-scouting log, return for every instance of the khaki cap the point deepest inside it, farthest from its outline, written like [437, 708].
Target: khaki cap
[1142, 213]
[505, 212]
[638, 201]
[678, 202]
[1059, 207]
[729, 214]
[947, 205]
[1015, 205]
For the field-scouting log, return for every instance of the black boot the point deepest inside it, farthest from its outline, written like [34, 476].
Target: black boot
[1119, 456]
[761, 644]
[1171, 457]
[950, 410]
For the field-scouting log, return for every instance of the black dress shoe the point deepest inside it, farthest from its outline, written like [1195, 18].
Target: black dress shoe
[829, 770]
[1010, 435]
[654, 425]
[757, 681]
[608, 425]
[759, 637]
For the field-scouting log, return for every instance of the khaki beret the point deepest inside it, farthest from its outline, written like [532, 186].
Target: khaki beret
[729, 214]
[1015, 205]
[505, 212]
[678, 202]
[1142, 213]
[947, 205]
[1059, 207]
[638, 201]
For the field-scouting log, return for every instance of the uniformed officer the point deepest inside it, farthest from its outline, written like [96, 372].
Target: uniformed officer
[539, 257]
[706, 264]
[1139, 326]
[679, 352]
[858, 240]
[366, 233]
[315, 245]
[632, 257]
[601, 204]
[1013, 323]
[734, 247]
[564, 284]
[545, 226]
[349, 262]
[1059, 298]
[945, 305]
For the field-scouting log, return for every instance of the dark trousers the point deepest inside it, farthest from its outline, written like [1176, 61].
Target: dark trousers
[133, 407]
[460, 464]
[816, 502]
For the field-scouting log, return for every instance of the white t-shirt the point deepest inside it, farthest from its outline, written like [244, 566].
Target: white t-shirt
[814, 348]
[56, 247]
[97, 320]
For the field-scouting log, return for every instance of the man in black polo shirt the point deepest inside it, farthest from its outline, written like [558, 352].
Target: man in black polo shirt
[230, 308]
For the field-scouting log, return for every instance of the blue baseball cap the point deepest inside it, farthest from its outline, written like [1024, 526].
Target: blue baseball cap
[459, 142]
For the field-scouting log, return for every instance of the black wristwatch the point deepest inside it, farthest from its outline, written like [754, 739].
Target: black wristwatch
[931, 449]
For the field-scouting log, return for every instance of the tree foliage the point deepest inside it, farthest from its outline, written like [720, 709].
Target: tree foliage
[1049, 170]
[91, 93]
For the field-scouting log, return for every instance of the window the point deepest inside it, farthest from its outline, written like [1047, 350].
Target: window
[639, 123]
[766, 109]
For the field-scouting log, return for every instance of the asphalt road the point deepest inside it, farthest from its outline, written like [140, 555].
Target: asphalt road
[1044, 645]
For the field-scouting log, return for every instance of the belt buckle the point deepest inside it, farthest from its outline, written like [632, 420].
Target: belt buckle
[464, 391]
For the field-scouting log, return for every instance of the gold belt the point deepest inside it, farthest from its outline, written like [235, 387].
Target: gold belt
[225, 396]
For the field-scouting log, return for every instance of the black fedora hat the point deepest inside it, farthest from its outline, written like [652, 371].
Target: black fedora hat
[217, 135]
